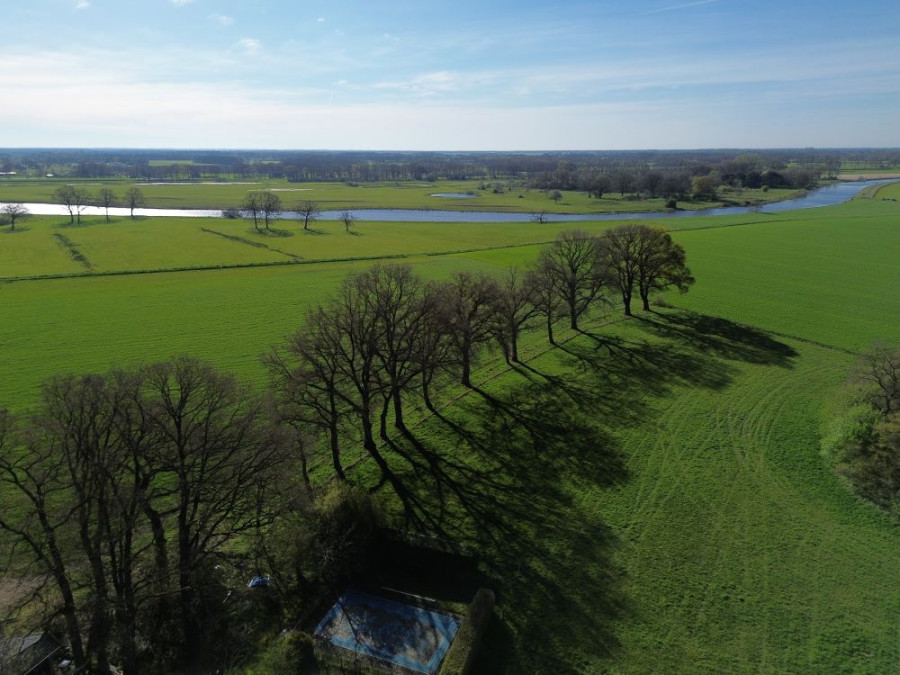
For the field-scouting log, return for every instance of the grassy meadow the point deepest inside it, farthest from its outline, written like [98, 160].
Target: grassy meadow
[405, 195]
[650, 496]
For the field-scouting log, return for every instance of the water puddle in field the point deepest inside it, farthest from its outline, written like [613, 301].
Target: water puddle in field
[825, 196]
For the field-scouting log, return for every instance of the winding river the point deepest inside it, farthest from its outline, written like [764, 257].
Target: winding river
[829, 195]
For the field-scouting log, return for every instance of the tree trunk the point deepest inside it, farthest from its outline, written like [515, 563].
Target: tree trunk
[645, 298]
[334, 437]
[514, 345]
[398, 409]
[550, 330]
[426, 396]
[190, 628]
[382, 426]
[466, 369]
[371, 447]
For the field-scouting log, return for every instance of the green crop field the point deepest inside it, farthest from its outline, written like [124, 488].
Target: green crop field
[406, 195]
[650, 496]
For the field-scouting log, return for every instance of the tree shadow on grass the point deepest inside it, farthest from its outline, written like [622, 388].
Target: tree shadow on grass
[273, 232]
[730, 340]
[497, 477]
[516, 472]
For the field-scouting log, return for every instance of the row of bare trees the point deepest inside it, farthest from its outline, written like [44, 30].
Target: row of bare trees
[123, 490]
[266, 205]
[388, 335]
[76, 199]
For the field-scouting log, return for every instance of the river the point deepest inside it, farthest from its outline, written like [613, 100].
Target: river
[829, 195]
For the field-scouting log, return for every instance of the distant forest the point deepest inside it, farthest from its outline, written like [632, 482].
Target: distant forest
[607, 170]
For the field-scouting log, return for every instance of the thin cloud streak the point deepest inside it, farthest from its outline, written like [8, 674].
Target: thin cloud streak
[674, 8]
[221, 19]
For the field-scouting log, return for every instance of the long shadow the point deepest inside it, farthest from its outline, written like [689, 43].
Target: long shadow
[496, 476]
[730, 340]
[514, 472]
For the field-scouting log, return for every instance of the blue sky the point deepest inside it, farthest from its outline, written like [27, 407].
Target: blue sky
[487, 75]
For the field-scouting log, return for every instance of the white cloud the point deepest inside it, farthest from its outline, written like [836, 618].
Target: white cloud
[82, 4]
[321, 19]
[152, 99]
[221, 19]
[179, 3]
[249, 45]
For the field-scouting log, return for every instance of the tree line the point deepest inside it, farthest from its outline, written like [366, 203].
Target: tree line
[76, 198]
[125, 492]
[388, 335]
[352, 166]
[697, 180]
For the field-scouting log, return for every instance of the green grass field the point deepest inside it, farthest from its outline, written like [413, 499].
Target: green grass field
[653, 499]
[651, 496]
[406, 195]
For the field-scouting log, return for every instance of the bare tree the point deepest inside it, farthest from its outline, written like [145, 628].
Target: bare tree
[661, 265]
[270, 205]
[252, 208]
[134, 199]
[598, 185]
[652, 182]
[355, 338]
[73, 476]
[621, 250]
[13, 212]
[465, 307]
[401, 309]
[217, 453]
[546, 300]
[309, 211]
[34, 483]
[434, 348]
[879, 369]
[76, 199]
[539, 217]
[624, 181]
[571, 265]
[347, 218]
[307, 377]
[106, 198]
[110, 471]
[514, 307]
